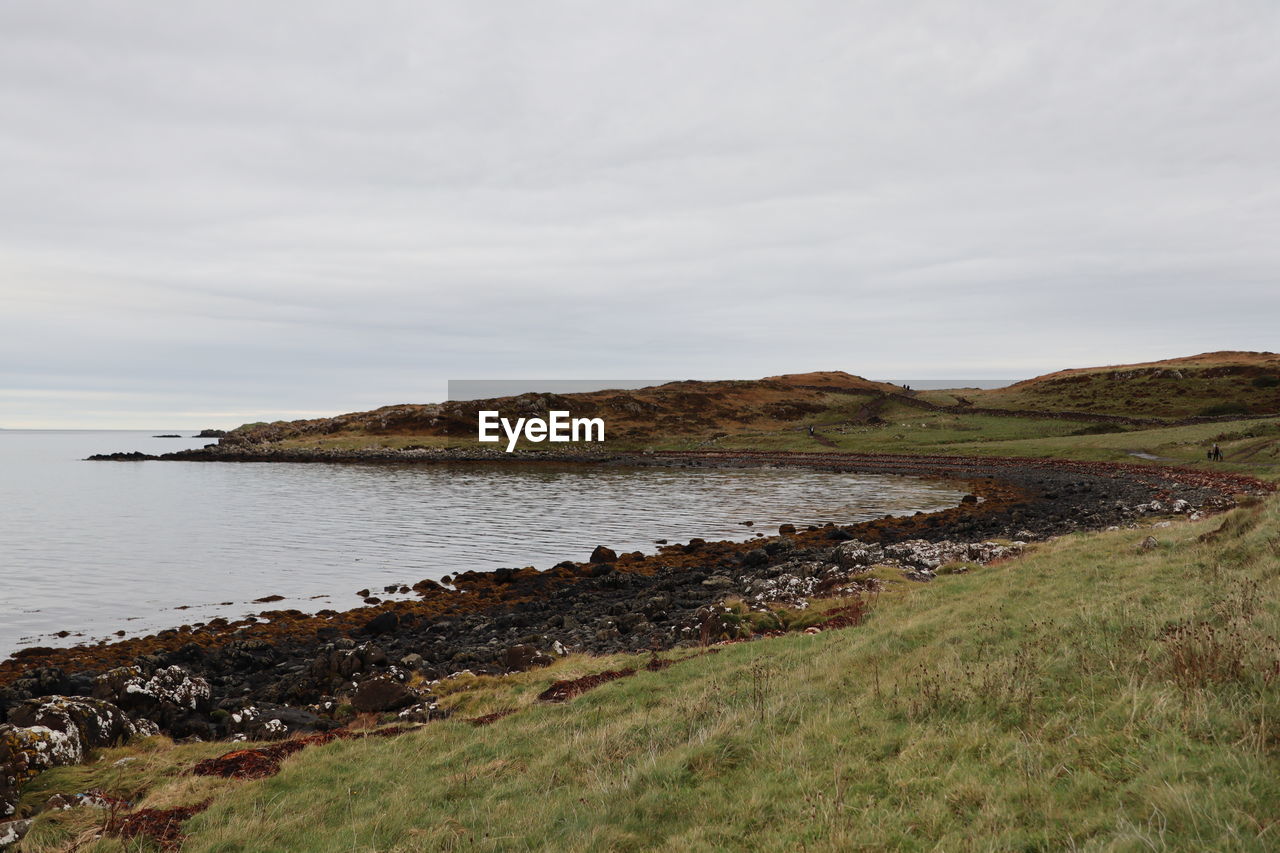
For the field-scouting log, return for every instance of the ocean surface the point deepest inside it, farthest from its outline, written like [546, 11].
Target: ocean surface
[92, 548]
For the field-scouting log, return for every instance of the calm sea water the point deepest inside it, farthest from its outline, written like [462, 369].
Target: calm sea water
[96, 547]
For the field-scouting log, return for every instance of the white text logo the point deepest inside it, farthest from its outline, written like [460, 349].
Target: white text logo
[558, 426]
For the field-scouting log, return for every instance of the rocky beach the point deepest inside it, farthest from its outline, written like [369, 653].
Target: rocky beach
[285, 672]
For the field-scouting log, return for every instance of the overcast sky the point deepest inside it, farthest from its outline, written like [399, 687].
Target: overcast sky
[212, 213]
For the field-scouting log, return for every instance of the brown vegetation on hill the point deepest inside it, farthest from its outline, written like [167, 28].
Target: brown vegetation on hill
[1221, 358]
[1219, 384]
[676, 408]
[1210, 384]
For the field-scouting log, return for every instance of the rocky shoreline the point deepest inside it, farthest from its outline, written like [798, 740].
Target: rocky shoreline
[286, 672]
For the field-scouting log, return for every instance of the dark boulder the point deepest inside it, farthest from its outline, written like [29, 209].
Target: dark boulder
[521, 657]
[603, 555]
[779, 546]
[268, 721]
[383, 623]
[44, 681]
[344, 659]
[382, 693]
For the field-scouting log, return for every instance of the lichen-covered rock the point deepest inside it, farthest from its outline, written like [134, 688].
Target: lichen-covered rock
[25, 752]
[98, 722]
[53, 732]
[171, 697]
[921, 554]
[13, 831]
[787, 588]
[174, 685]
[853, 555]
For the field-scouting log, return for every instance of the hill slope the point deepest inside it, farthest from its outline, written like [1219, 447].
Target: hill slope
[1216, 383]
[676, 408]
[1211, 384]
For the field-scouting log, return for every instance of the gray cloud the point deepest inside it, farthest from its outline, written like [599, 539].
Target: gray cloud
[240, 211]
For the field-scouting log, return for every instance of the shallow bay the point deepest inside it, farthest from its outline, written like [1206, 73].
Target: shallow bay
[96, 547]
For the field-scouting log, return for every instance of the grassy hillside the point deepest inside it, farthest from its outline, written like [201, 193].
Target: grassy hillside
[1089, 695]
[1218, 383]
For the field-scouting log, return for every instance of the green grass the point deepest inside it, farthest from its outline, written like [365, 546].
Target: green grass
[906, 430]
[1249, 446]
[1085, 696]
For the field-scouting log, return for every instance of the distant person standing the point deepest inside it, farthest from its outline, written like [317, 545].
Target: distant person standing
[1217, 452]
[811, 430]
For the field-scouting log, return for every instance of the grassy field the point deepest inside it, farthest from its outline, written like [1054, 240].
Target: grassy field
[1249, 446]
[1085, 696]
